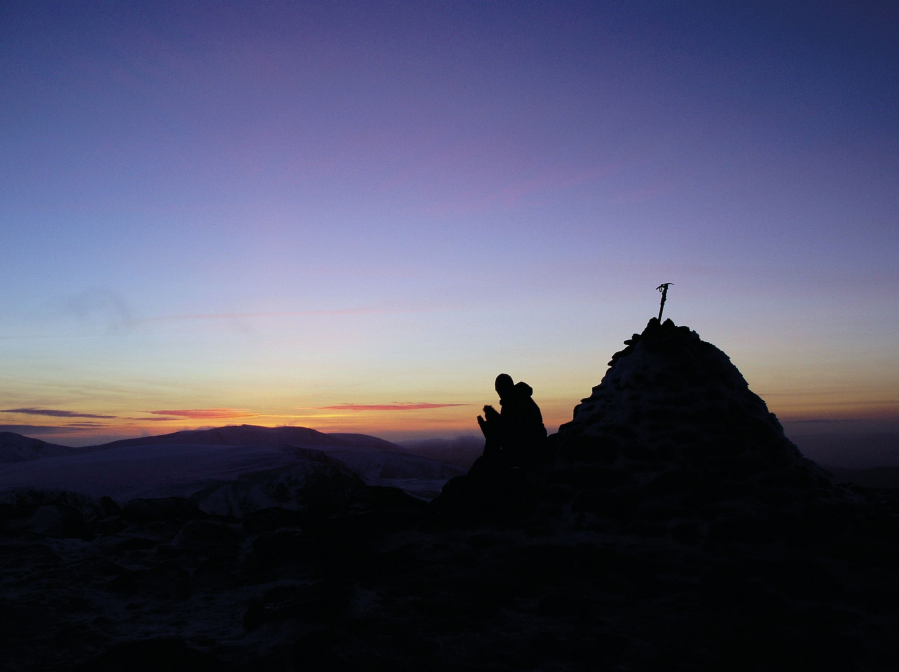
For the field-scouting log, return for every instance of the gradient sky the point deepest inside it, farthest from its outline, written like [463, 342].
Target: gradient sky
[353, 215]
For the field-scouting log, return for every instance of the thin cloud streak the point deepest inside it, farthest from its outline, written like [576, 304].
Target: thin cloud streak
[205, 413]
[30, 430]
[287, 313]
[55, 413]
[395, 406]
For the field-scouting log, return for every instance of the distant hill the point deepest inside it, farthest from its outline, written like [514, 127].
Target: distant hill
[183, 462]
[245, 435]
[877, 477]
[851, 451]
[18, 448]
[461, 450]
[366, 440]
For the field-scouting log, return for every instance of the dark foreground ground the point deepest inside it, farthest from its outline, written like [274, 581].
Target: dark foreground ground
[379, 582]
[671, 525]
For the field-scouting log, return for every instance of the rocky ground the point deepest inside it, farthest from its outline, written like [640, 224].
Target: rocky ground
[670, 526]
[382, 583]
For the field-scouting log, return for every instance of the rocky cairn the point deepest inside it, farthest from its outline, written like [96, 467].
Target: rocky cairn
[673, 442]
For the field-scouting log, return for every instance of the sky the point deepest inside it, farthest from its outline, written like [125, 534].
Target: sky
[352, 216]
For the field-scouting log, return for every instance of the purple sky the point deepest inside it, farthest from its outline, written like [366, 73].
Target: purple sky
[354, 215]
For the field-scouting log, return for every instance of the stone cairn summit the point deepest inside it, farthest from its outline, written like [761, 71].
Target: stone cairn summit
[673, 441]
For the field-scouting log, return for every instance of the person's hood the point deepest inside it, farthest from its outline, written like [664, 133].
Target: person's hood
[524, 389]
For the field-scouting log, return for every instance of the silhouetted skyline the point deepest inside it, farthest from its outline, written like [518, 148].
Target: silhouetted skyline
[349, 216]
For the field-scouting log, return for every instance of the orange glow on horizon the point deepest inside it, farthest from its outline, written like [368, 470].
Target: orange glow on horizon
[428, 419]
[393, 406]
[206, 413]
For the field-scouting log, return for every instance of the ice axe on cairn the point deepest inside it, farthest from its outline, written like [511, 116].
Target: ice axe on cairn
[664, 289]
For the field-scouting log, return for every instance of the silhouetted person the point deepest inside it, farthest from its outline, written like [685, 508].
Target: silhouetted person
[504, 481]
[518, 429]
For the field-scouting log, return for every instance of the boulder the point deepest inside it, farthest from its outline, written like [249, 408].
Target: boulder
[145, 511]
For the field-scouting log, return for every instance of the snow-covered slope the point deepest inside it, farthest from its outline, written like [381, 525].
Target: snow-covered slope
[138, 471]
[305, 484]
[183, 463]
[420, 476]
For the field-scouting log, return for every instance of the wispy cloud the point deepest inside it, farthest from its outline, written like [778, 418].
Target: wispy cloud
[205, 413]
[33, 430]
[814, 420]
[151, 419]
[101, 306]
[29, 430]
[286, 313]
[56, 413]
[393, 406]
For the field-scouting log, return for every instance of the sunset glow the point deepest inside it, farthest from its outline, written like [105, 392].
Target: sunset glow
[352, 217]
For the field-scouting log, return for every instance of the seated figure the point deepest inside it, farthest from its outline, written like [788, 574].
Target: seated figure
[503, 481]
[515, 435]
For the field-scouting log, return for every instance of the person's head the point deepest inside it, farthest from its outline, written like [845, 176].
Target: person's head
[504, 385]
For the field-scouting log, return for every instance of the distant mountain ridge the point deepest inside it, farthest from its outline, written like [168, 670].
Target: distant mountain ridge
[875, 477]
[249, 435]
[368, 441]
[851, 451]
[179, 463]
[17, 448]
